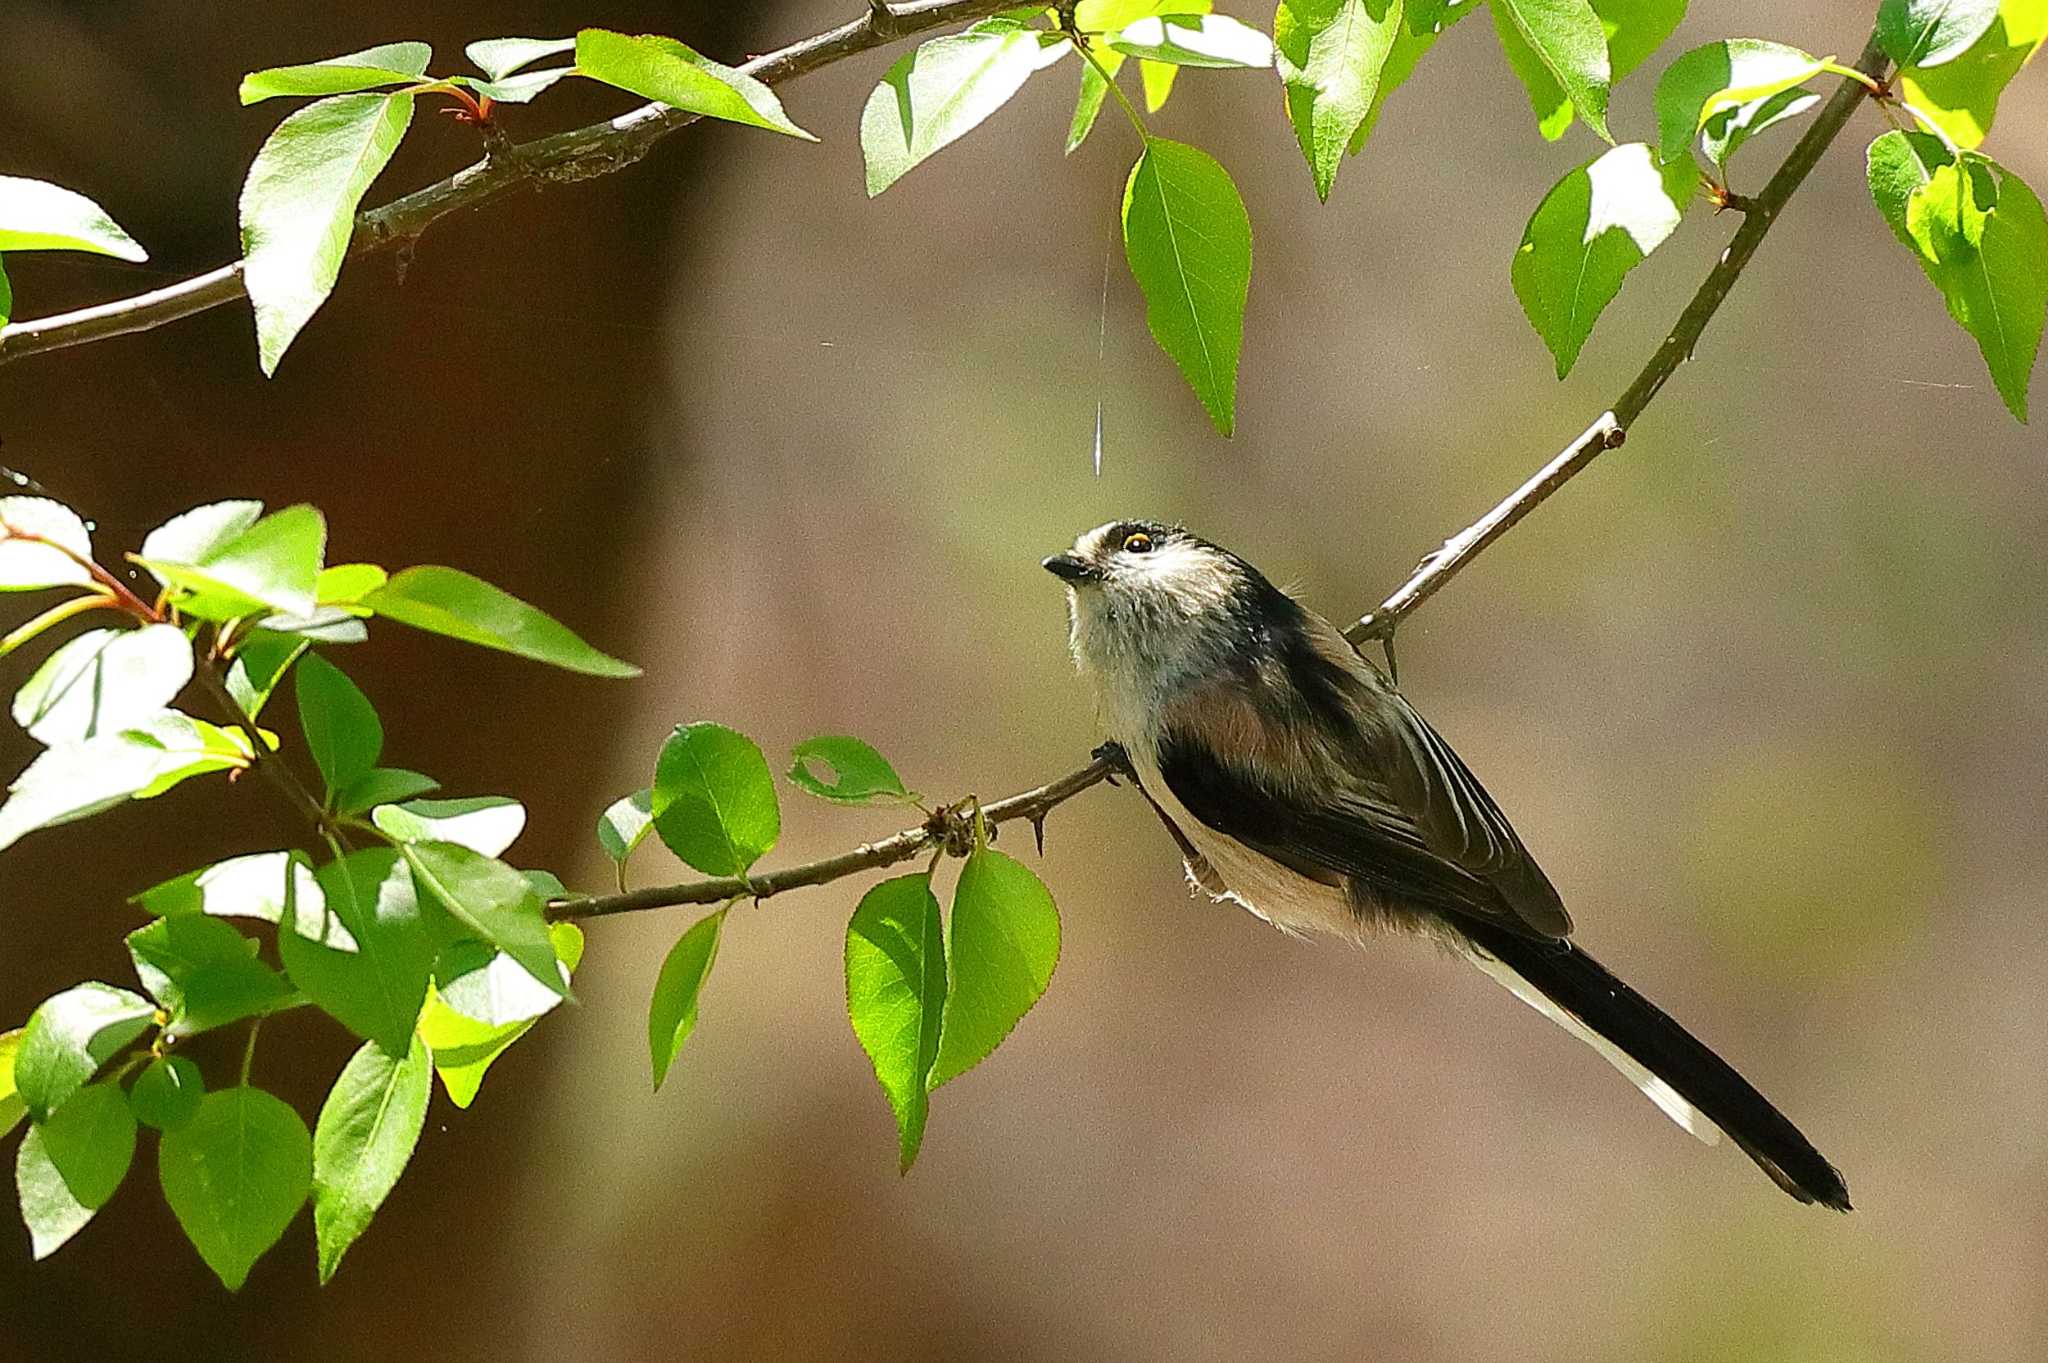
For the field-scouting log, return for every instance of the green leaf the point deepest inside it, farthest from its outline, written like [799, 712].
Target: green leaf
[42, 544]
[253, 887]
[348, 583]
[465, 1048]
[299, 206]
[259, 665]
[6, 298]
[38, 216]
[1997, 290]
[670, 73]
[1565, 41]
[1206, 40]
[714, 800]
[1727, 92]
[1005, 941]
[1633, 28]
[944, 89]
[1961, 95]
[1189, 243]
[483, 823]
[272, 564]
[385, 64]
[1094, 89]
[672, 1015]
[69, 1037]
[71, 1165]
[167, 1094]
[365, 1136]
[500, 57]
[104, 681]
[896, 995]
[12, 1109]
[448, 601]
[860, 775]
[1594, 226]
[235, 1176]
[488, 986]
[375, 990]
[383, 786]
[76, 780]
[1157, 79]
[342, 730]
[491, 899]
[519, 89]
[204, 974]
[1931, 32]
[193, 536]
[1331, 54]
[626, 824]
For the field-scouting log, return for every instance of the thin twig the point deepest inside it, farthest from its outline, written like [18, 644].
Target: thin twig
[1614, 424]
[274, 768]
[940, 831]
[585, 153]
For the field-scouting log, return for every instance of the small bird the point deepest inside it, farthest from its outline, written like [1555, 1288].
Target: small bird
[1300, 784]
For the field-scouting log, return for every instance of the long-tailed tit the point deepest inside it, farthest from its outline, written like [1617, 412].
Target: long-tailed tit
[1299, 783]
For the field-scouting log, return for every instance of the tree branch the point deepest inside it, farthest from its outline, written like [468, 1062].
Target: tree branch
[585, 153]
[949, 828]
[1613, 426]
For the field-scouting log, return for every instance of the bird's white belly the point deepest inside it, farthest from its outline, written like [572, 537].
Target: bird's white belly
[1288, 900]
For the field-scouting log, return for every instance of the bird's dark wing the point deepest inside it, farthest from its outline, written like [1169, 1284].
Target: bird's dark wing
[1350, 835]
[1352, 782]
[1455, 816]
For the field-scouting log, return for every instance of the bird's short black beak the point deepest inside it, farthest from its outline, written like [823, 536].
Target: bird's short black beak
[1069, 569]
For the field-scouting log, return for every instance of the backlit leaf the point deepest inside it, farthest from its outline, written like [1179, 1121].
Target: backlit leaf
[860, 775]
[104, 681]
[299, 206]
[1596, 225]
[71, 1165]
[203, 973]
[672, 1015]
[483, 823]
[1189, 243]
[365, 1136]
[896, 996]
[1997, 287]
[235, 1176]
[69, 1037]
[42, 544]
[714, 799]
[451, 602]
[385, 64]
[492, 900]
[38, 216]
[671, 73]
[375, 990]
[1331, 54]
[1004, 943]
[944, 89]
[342, 730]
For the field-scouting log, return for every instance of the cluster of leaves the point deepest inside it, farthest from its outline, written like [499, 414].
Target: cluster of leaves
[422, 941]
[1187, 235]
[927, 1003]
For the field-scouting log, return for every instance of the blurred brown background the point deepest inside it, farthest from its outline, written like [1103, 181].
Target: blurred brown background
[1764, 692]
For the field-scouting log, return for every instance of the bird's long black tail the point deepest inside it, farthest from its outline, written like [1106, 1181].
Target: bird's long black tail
[1586, 992]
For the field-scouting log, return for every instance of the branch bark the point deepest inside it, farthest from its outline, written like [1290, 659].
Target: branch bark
[582, 154]
[1613, 425]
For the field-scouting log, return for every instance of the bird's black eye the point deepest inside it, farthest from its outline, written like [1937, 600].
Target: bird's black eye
[1138, 543]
